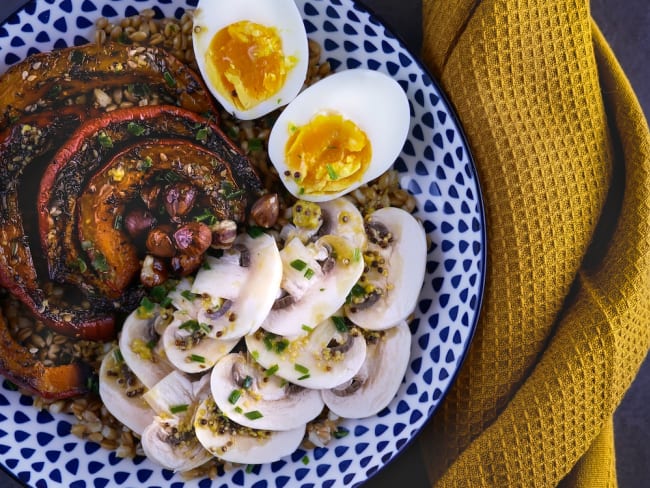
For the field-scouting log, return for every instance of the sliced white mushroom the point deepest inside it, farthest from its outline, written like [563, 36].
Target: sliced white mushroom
[170, 440]
[238, 289]
[238, 444]
[378, 380]
[396, 263]
[327, 356]
[142, 348]
[341, 217]
[338, 217]
[257, 398]
[316, 280]
[189, 347]
[182, 299]
[121, 393]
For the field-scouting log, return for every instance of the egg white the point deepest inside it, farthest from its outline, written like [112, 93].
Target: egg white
[211, 16]
[375, 102]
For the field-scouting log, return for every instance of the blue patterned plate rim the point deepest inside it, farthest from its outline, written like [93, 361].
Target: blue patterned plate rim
[319, 471]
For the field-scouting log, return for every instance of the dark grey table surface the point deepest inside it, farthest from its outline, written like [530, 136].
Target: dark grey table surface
[626, 25]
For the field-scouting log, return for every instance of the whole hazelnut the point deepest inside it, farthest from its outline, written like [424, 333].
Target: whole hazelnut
[184, 264]
[154, 271]
[179, 199]
[138, 221]
[224, 233]
[265, 210]
[159, 242]
[193, 238]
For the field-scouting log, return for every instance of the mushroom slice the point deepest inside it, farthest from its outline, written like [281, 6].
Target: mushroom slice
[142, 348]
[395, 264]
[342, 218]
[189, 347]
[121, 393]
[327, 356]
[238, 444]
[378, 380]
[238, 289]
[316, 280]
[257, 398]
[170, 440]
[182, 299]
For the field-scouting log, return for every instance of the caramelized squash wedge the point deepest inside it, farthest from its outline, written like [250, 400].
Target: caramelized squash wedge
[50, 382]
[87, 152]
[25, 150]
[57, 78]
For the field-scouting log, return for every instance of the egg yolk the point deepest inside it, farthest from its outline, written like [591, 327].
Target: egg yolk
[327, 155]
[246, 63]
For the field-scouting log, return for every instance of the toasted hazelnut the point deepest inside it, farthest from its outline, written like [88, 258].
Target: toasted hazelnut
[265, 210]
[138, 221]
[154, 271]
[159, 242]
[193, 238]
[184, 265]
[179, 199]
[224, 233]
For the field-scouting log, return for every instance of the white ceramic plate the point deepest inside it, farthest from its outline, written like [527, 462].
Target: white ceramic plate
[435, 165]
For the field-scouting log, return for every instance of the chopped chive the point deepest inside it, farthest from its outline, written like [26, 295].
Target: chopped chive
[250, 468]
[255, 231]
[281, 345]
[197, 359]
[105, 140]
[255, 355]
[301, 369]
[309, 273]
[81, 264]
[305, 460]
[202, 134]
[306, 328]
[135, 129]
[207, 217]
[191, 325]
[117, 355]
[272, 370]
[255, 144]
[331, 172]
[169, 79]
[238, 410]
[304, 377]
[253, 415]
[188, 295]
[99, 263]
[268, 342]
[339, 323]
[234, 396]
[356, 256]
[117, 222]
[298, 264]
[145, 164]
[178, 408]
[247, 383]
[341, 432]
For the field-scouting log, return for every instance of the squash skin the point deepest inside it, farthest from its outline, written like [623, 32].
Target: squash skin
[43, 81]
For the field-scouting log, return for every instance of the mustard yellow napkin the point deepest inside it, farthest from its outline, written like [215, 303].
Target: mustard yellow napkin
[563, 154]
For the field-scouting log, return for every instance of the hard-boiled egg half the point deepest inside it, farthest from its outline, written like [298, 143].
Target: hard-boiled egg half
[339, 133]
[253, 54]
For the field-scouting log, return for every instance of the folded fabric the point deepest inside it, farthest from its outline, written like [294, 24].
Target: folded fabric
[563, 155]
